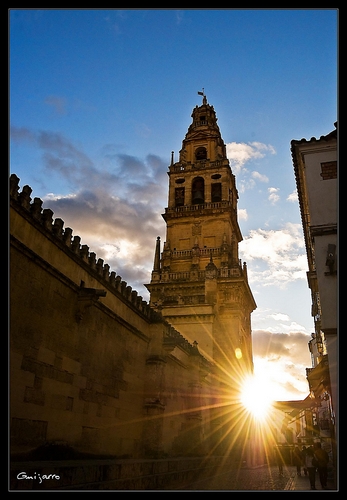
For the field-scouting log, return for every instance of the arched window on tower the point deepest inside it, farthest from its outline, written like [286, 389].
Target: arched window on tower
[216, 192]
[201, 154]
[179, 192]
[198, 196]
[179, 196]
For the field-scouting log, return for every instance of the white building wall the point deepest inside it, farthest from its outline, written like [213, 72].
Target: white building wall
[322, 202]
[322, 194]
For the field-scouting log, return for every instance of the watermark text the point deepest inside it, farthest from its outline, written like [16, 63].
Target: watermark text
[37, 476]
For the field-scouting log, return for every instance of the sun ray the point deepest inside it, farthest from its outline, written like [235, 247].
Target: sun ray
[239, 425]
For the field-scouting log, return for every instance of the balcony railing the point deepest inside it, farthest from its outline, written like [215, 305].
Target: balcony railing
[198, 164]
[234, 272]
[204, 206]
[203, 252]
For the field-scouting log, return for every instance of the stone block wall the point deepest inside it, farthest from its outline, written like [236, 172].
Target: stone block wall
[91, 364]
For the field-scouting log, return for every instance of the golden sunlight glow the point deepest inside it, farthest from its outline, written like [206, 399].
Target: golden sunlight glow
[238, 353]
[256, 397]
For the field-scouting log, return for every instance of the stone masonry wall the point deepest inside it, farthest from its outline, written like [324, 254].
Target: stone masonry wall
[92, 365]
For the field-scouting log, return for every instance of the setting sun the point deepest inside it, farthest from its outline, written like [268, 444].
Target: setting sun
[255, 397]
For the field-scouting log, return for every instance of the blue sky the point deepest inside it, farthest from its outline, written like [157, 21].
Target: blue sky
[100, 98]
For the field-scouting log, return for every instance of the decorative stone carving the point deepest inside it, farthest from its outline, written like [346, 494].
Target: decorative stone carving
[196, 229]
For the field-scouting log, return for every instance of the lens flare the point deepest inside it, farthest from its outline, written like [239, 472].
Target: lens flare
[238, 353]
[256, 397]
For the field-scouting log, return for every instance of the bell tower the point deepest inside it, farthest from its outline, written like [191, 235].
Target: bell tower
[198, 282]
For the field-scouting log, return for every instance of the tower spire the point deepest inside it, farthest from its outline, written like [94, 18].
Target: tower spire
[156, 266]
[198, 274]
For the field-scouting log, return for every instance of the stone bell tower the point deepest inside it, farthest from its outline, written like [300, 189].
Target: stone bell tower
[198, 282]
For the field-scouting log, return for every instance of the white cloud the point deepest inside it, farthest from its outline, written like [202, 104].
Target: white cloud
[245, 184]
[263, 147]
[279, 317]
[278, 255]
[240, 153]
[260, 177]
[54, 197]
[282, 328]
[293, 197]
[110, 203]
[283, 355]
[242, 214]
[273, 196]
[286, 380]
[123, 249]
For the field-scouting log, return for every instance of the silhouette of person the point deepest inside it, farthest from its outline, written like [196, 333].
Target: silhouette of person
[297, 460]
[279, 460]
[311, 468]
[323, 459]
[303, 454]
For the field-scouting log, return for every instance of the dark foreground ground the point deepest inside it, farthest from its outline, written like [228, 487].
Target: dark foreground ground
[265, 478]
[262, 479]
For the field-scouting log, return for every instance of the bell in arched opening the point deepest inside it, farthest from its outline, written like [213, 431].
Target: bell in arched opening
[198, 196]
[201, 153]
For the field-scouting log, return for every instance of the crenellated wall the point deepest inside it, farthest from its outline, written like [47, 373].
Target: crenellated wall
[32, 211]
[92, 365]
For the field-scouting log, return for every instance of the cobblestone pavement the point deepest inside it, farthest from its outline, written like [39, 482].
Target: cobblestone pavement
[263, 478]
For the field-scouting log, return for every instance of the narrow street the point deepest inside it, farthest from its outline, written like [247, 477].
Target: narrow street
[263, 478]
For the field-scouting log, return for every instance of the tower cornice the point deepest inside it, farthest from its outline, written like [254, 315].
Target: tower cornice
[189, 166]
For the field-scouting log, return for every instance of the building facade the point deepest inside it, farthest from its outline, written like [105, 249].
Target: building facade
[315, 168]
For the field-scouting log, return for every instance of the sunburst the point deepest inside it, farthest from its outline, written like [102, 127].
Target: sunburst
[256, 397]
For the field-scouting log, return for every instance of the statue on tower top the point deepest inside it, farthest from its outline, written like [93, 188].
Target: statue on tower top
[204, 99]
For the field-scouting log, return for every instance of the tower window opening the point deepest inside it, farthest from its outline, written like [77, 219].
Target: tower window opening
[216, 192]
[198, 196]
[179, 196]
[201, 154]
